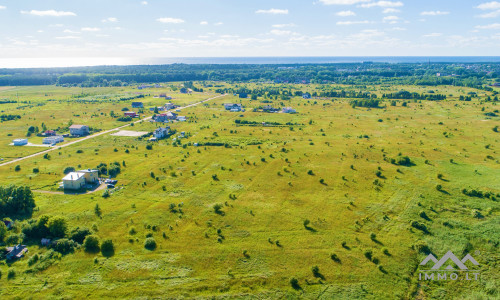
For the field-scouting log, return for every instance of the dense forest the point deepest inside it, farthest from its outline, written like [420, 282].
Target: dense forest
[477, 75]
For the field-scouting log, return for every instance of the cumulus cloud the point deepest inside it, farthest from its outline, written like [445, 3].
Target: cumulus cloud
[346, 13]
[67, 37]
[390, 19]
[48, 13]
[391, 11]
[218, 24]
[342, 2]
[110, 19]
[283, 25]
[280, 32]
[170, 20]
[383, 4]
[2, 7]
[490, 26]
[91, 29]
[489, 5]
[272, 11]
[144, 2]
[434, 34]
[352, 22]
[434, 13]
[492, 14]
[203, 23]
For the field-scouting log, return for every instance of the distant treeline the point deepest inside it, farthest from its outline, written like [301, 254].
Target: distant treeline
[470, 75]
[415, 96]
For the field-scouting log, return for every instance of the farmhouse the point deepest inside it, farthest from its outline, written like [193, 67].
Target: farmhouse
[288, 110]
[161, 133]
[137, 105]
[131, 114]
[78, 180]
[79, 130]
[233, 107]
[16, 252]
[53, 139]
[20, 142]
[169, 106]
[49, 133]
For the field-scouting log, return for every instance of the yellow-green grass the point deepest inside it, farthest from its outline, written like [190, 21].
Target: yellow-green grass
[272, 207]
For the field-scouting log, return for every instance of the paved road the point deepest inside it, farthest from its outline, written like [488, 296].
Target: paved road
[98, 134]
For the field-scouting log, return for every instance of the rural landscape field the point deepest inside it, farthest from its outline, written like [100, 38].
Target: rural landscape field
[341, 196]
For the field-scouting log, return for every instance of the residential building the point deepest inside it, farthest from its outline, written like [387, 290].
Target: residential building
[49, 133]
[161, 118]
[53, 139]
[269, 108]
[74, 181]
[79, 130]
[131, 114]
[16, 252]
[20, 142]
[161, 132]
[233, 106]
[181, 118]
[91, 176]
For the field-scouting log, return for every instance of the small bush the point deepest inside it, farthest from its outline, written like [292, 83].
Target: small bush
[11, 274]
[107, 248]
[17, 168]
[150, 243]
[295, 283]
[91, 243]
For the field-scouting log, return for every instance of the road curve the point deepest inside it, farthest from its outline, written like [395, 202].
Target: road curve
[99, 134]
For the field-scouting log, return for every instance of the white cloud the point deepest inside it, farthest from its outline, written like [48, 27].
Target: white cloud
[390, 19]
[228, 36]
[170, 20]
[218, 24]
[67, 37]
[48, 13]
[144, 2]
[383, 4]
[280, 32]
[434, 34]
[110, 19]
[489, 5]
[91, 29]
[39, 31]
[490, 26]
[346, 13]
[398, 28]
[70, 31]
[342, 2]
[434, 13]
[2, 7]
[283, 25]
[273, 11]
[492, 14]
[203, 23]
[391, 11]
[352, 22]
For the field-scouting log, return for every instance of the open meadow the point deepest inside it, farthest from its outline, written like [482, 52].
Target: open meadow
[335, 201]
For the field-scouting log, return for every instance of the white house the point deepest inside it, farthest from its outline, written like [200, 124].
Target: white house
[181, 118]
[74, 181]
[20, 142]
[79, 130]
[53, 139]
[77, 180]
[161, 132]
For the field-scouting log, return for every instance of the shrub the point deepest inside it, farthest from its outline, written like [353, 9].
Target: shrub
[36, 170]
[373, 236]
[419, 226]
[150, 244]
[78, 234]
[218, 209]
[439, 187]
[310, 172]
[107, 248]
[421, 247]
[17, 168]
[149, 147]
[132, 231]
[64, 246]
[105, 194]
[58, 227]
[97, 210]
[11, 274]
[368, 254]
[91, 243]
[295, 283]
[334, 257]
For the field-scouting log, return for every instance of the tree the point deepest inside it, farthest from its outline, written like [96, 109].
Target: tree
[150, 243]
[91, 243]
[107, 248]
[68, 170]
[97, 210]
[16, 200]
[58, 227]
[3, 231]
[78, 234]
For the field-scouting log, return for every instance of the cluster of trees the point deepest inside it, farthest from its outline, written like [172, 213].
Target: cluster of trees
[112, 170]
[469, 75]
[16, 200]
[9, 117]
[365, 103]
[415, 96]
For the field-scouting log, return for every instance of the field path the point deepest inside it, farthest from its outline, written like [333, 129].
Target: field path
[100, 133]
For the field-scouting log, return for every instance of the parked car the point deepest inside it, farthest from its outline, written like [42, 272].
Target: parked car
[111, 186]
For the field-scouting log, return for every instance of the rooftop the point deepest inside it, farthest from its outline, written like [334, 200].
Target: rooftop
[73, 176]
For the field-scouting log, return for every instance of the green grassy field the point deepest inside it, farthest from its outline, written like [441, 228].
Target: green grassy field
[330, 166]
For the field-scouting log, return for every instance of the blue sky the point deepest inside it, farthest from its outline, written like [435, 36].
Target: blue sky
[154, 28]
